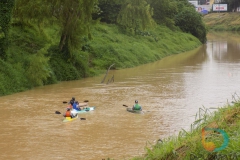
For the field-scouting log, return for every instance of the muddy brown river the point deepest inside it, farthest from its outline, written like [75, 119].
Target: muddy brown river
[171, 91]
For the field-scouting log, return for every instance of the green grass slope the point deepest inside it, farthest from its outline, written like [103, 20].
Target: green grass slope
[35, 60]
[226, 21]
[111, 45]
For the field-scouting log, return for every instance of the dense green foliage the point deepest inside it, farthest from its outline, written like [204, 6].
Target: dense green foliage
[59, 41]
[108, 11]
[164, 11]
[196, 28]
[12, 79]
[135, 15]
[5, 17]
[73, 17]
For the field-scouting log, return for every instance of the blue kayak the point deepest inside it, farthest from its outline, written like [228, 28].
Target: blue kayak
[87, 109]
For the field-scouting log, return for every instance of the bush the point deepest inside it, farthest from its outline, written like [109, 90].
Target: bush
[12, 80]
[190, 21]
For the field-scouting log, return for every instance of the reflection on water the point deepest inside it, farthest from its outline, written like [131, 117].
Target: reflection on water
[171, 91]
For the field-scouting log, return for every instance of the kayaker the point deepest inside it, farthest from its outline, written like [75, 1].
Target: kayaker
[73, 99]
[71, 102]
[136, 106]
[68, 113]
[70, 106]
[76, 106]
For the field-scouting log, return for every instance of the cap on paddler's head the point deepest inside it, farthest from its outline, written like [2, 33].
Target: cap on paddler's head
[136, 101]
[73, 98]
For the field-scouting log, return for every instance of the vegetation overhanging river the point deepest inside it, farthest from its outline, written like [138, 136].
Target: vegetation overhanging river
[172, 90]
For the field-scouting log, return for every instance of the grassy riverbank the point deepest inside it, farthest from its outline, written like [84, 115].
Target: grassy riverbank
[225, 21]
[33, 58]
[189, 145]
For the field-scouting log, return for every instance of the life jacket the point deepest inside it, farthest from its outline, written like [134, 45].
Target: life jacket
[137, 107]
[68, 114]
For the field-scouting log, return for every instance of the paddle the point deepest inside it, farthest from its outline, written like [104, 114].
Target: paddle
[83, 101]
[57, 112]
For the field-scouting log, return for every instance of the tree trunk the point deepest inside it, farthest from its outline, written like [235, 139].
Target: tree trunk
[62, 41]
[107, 73]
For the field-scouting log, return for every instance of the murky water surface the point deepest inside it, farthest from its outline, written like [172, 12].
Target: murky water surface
[171, 92]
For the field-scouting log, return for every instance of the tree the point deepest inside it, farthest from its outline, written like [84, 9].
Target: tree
[232, 4]
[136, 15]
[190, 21]
[5, 18]
[108, 10]
[75, 19]
[164, 11]
[73, 16]
[32, 10]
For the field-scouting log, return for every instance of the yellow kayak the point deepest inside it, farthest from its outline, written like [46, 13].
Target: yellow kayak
[68, 119]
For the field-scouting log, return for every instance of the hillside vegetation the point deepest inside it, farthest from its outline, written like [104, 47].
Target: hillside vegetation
[109, 45]
[225, 21]
[61, 40]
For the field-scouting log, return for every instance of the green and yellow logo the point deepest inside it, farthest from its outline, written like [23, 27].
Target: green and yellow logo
[210, 146]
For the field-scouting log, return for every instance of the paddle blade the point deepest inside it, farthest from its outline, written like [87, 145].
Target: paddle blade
[82, 118]
[65, 102]
[125, 105]
[85, 101]
[57, 112]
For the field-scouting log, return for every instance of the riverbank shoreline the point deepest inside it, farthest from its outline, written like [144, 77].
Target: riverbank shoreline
[210, 136]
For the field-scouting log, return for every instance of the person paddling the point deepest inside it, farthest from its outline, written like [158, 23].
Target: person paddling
[136, 106]
[76, 106]
[68, 113]
[71, 102]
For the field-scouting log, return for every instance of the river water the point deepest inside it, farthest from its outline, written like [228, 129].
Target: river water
[171, 91]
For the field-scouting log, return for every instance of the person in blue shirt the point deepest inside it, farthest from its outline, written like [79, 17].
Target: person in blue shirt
[76, 106]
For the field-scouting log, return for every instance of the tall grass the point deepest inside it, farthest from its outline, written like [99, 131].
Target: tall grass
[110, 45]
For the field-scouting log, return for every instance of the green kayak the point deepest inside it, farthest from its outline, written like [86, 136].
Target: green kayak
[134, 111]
